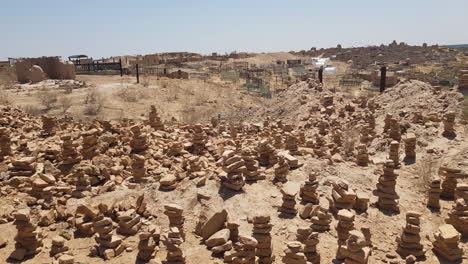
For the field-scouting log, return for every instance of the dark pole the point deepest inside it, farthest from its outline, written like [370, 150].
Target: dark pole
[120, 65]
[138, 74]
[320, 74]
[383, 78]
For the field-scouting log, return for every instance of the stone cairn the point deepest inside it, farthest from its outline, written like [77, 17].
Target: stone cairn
[129, 222]
[58, 246]
[199, 139]
[168, 182]
[344, 225]
[387, 196]
[108, 244]
[23, 167]
[308, 191]
[29, 237]
[154, 119]
[138, 168]
[281, 170]
[148, 244]
[234, 167]
[410, 241]
[262, 233]
[245, 250]
[449, 124]
[321, 218]
[267, 155]
[83, 221]
[463, 79]
[449, 182]
[446, 243]
[176, 219]
[139, 142]
[194, 167]
[394, 129]
[343, 197]
[362, 158]
[294, 253]
[233, 226]
[356, 249]
[5, 143]
[289, 193]
[362, 201]
[394, 154]
[458, 215]
[69, 153]
[252, 173]
[310, 241]
[410, 146]
[48, 126]
[82, 183]
[433, 200]
[291, 144]
[173, 241]
[278, 141]
[90, 146]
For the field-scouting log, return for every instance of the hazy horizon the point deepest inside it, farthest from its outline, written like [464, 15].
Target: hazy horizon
[112, 28]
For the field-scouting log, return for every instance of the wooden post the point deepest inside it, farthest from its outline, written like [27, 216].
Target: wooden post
[320, 74]
[120, 65]
[138, 74]
[383, 78]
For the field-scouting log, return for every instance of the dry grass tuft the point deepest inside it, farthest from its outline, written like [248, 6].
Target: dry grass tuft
[130, 94]
[426, 169]
[94, 102]
[47, 98]
[32, 109]
[65, 102]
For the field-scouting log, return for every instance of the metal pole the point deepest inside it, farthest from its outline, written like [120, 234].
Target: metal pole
[120, 65]
[138, 74]
[383, 78]
[320, 74]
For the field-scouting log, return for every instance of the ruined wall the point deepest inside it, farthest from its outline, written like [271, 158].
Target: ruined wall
[53, 67]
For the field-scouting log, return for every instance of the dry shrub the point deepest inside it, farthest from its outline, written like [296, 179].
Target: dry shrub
[145, 81]
[94, 102]
[5, 98]
[426, 168]
[48, 98]
[130, 94]
[65, 103]
[32, 109]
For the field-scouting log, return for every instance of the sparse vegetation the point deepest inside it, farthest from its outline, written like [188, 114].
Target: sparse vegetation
[47, 98]
[65, 102]
[94, 102]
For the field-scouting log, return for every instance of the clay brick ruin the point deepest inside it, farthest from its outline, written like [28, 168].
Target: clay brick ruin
[37, 69]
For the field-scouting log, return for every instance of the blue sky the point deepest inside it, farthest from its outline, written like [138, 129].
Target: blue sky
[102, 28]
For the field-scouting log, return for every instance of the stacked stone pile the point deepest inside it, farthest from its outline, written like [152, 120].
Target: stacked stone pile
[58, 246]
[289, 193]
[262, 233]
[267, 155]
[138, 168]
[108, 244]
[69, 153]
[199, 139]
[321, 218]
[168, 182]
[82, 183]
[90, 144]
[291, 144]
[386, 193]
[447, 243]
[83, 221]
[410, 146]
[5, 143]
[345, 224]
[435, 189]
[362, 158]
[410, 241]
[154, 119]
[245, 251]
[355, 250]
[310, 248]
[148, 244]
[129, 222]
[173, 243]
[52, 152]
[294, 254]
[29, 237]
[343, 197]
[176, 219]
[175, 148]
[23, 167]
[458, 216]
[463, 79]
[249, 155]
[394, 129]
[281, 170]
[48, 126]
[308, 191]
[394, 154]
[449, 124]
[362, 201]
[449, 176]
[234, 167]
[278, 141]
[139, 141]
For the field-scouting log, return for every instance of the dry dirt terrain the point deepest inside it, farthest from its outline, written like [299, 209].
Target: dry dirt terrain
[91, 173]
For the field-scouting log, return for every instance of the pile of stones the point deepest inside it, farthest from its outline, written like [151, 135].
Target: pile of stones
[281, 169]
[410, 241]
[234, 167]
[176, 219]
[23, 167]
[321, 218]
[90, 143]
[362, 158]
[5, 143]
[48, 126]
[410, 146]
[267, 155]
[387, 196]
[129, 222]
[69, 153]
[345, 225]
[29, 237]
[435, 189]
[245, 251]
[394, 154]
[343, 197]
[108, 244]
[199, 139]
[82, 183]
[449, 177]
[148, 244]
[289, 193]
[449, 124]
[139, 142]
[394, 129]
[138, 168]
[310, 248]
[262, 233]
[308, 191]
[83, 220]
[291, 144]
[173, 243]
[58, 246]
[294, 253]
[447, 243]
[458, 215]
[356, 249]
[154, 119]
[168, 182]
[252, 173]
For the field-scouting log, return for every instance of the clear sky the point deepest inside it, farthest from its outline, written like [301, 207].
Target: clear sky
[103, 28]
